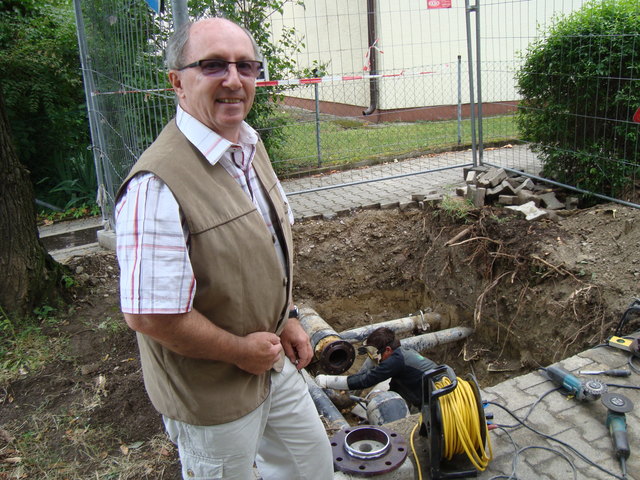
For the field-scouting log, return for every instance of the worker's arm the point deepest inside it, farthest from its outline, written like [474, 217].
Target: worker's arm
[296, 344]
[368, 378]
[383, 371]
[193, 335]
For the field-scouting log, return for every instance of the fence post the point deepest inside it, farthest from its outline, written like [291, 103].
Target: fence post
[180, 13]
[318, 146]
[479, 118]
[103, 175]
[459, 99]
[472, 108]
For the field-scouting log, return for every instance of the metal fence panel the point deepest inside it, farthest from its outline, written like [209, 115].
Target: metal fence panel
[596, 122]
[393, 84]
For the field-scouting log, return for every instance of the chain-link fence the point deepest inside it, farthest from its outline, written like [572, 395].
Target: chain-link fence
[577, 74]
[385, 80]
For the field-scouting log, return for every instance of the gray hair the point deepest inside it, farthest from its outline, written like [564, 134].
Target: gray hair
[176, 46]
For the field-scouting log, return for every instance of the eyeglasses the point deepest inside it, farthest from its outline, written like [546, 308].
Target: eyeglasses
[218, 68]
[373, 353]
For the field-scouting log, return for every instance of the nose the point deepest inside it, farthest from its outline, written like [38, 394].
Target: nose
[232, 77]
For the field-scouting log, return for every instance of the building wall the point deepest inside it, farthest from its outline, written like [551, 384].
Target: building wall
[418, 47]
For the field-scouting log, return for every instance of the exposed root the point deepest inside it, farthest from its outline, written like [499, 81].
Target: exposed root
[477, 312]
[523, 292]
[559, 270]
[581, 297]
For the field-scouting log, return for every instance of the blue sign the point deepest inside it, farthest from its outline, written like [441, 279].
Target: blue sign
[155, 5]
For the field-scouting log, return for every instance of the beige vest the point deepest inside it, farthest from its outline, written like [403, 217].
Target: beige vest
[240, 283]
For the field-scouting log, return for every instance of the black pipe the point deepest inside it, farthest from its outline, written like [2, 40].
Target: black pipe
[324, 405]
[374, 92]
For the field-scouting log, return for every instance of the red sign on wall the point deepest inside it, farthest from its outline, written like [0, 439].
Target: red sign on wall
[438, 3]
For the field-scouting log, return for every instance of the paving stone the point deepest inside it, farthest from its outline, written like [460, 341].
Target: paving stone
[529, 380]
[515, 397]
[371, 206]
[571, 203]
[492, 178]
[508, 200]
[573, 363]
[479, 197]
[527, 184]
[588, 449]
[389, 206]
[539, 417]
[528, 196]
[558, 467]
[407, 205]
[606, 356]
[550, 201]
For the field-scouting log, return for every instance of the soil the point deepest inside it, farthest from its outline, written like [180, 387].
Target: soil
[534, 291]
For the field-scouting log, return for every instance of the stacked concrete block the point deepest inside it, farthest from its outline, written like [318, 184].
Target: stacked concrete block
[489, 185]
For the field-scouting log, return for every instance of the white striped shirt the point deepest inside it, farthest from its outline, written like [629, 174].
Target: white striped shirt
[153, 239]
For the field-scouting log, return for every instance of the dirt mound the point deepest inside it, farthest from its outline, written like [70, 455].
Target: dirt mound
[535, 292]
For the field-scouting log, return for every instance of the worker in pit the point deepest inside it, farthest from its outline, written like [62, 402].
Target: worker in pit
[404, 366]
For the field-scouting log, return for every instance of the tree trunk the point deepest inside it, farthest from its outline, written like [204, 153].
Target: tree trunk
[29, 275]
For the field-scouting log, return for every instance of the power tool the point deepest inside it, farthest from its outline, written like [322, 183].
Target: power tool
[617, 405]
[582, 390]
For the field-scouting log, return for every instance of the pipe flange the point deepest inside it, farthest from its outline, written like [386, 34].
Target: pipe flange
[367, 451]
[336, 356]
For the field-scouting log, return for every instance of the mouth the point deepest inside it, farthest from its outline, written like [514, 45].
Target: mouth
[231, 101]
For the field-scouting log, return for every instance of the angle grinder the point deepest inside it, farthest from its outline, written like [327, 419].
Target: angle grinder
[582, 390]
[617, 405]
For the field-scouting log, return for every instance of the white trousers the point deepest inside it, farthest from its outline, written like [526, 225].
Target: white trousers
[284, 436]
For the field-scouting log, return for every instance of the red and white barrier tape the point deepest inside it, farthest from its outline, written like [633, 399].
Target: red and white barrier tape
[291, 81]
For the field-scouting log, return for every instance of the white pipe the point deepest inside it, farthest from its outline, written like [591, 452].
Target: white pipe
[413, 323]
[427, 341]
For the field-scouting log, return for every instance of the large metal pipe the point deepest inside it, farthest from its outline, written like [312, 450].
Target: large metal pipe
[419, 323]
[427, 341]
[324, 405]
[334, 355]
[386, 407]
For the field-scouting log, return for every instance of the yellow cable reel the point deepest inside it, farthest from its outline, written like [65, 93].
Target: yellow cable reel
[454, 422]
[461, 425]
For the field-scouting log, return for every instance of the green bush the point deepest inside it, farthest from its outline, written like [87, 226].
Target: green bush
[42, 86]
[580, 85]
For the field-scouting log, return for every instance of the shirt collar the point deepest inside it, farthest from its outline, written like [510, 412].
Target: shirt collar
[208, 142]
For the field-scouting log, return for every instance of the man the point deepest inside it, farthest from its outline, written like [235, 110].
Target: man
[205, 251]
[404, 366]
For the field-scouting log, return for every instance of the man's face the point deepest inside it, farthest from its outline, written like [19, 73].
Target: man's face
[223, 102]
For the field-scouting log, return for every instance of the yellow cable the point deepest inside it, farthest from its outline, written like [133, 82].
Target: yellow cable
[413, 448]
[461, 424]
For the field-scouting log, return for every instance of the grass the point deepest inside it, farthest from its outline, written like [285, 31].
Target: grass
[456, 209]
[70, 445]
[24, 347]
[353, 142]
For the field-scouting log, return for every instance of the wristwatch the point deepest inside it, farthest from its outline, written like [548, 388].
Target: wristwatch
[293, 313]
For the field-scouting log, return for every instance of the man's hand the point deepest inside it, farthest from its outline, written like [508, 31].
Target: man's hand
[338, 382]
[296, 344]
[258, 352]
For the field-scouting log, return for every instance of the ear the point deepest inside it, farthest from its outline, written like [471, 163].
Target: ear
[176, 82]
